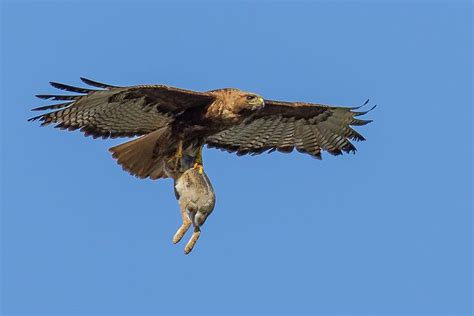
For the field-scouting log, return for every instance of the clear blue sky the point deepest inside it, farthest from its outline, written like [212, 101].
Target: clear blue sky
[387, 231]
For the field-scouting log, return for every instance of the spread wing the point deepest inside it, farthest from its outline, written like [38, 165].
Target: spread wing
[282, 126]
[113, 111]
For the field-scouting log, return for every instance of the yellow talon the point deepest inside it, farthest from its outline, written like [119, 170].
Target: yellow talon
[198, 161]
[199, 167]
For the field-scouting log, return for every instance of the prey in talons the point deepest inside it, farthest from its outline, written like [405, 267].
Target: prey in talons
[196, 197]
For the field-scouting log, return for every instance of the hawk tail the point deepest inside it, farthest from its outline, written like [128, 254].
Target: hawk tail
[140, 156]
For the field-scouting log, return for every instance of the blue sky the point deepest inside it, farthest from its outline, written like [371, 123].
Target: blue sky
[387, 231]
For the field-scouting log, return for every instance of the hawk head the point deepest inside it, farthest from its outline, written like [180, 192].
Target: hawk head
[235, 104]
[254, 101]
[243, 102]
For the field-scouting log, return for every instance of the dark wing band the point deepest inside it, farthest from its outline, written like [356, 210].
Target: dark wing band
[118, 111]
[284, 126]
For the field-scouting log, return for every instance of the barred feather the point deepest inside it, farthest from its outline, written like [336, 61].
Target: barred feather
[58, 97]
[66, 87]
[284, 126]
[97, 84]
[52, 107]
[117, 111]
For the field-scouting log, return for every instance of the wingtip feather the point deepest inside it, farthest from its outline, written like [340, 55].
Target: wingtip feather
[65, 87]
[96, 84]
[365, 112]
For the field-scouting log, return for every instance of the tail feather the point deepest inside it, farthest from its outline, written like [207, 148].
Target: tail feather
[158, 171]
[140, 156]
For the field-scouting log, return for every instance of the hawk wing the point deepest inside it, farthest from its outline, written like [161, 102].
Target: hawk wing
[283, 126]
[118, 111]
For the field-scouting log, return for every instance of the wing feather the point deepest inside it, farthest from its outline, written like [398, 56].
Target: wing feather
[118, 111]
[283, 126]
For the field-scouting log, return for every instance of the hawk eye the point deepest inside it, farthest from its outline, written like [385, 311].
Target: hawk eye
[251, 97]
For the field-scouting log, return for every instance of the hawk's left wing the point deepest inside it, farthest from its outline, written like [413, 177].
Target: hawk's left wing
[283, 126]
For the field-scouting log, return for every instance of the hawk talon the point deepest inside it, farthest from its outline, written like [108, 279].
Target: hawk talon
[199, 167]
[177, 163]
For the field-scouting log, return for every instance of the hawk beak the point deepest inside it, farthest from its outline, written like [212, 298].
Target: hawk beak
[261, 101]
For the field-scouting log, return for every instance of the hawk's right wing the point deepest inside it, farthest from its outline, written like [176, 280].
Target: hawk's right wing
[118, 111]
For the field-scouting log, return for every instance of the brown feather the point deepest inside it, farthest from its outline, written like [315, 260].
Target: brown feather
[119, 111]
[137, 156]
[283, 126]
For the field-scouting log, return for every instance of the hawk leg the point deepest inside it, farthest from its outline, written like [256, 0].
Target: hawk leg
[184, 227]
[192, 241]
[198, 161]
[175, 161]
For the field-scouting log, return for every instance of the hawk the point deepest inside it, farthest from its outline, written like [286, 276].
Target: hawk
[174, 122]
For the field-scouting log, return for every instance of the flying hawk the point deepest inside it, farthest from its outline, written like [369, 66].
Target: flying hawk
[174, 122]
